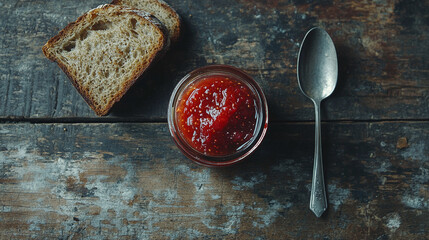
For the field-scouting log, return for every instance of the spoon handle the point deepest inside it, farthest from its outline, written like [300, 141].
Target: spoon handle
[318, 203]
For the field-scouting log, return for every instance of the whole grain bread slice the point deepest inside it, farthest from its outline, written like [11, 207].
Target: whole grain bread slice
[105, 51]
[161, 10]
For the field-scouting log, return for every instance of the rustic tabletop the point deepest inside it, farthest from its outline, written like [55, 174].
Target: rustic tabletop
[66, 173]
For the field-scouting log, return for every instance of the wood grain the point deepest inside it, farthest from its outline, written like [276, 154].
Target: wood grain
[381, 48]
[67, 174]
[129, 181]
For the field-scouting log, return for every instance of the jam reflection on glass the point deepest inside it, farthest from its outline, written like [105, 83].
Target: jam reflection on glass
[217, 115]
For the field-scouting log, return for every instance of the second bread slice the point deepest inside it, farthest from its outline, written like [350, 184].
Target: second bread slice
[105, 51]
[161, 10]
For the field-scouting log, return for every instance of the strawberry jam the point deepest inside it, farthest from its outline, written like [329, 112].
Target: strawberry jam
[217, 115]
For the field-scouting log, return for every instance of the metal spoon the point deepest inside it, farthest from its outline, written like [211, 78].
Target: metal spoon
[317, 72]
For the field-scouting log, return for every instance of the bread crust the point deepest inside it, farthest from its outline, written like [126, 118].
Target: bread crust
[177, 19]
[69, 71]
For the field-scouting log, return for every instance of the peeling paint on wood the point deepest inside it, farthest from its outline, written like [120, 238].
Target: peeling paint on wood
[130, 181]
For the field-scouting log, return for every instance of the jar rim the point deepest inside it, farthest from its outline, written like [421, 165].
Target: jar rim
[260, 127]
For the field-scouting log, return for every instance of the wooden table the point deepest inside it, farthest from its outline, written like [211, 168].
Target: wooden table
[66, 173]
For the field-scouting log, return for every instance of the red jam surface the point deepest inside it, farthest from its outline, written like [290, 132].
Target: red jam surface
[217, 115]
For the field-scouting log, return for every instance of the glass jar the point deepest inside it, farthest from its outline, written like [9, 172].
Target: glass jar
[217, 94]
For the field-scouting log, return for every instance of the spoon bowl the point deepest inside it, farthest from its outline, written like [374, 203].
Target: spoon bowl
[317, 72]
[317, 65]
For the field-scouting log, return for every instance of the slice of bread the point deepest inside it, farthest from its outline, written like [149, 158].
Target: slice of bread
[105, 51]
[161, 10]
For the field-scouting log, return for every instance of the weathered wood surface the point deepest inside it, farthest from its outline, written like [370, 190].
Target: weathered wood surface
[382, 48]
[63, 176]
[129, 181]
